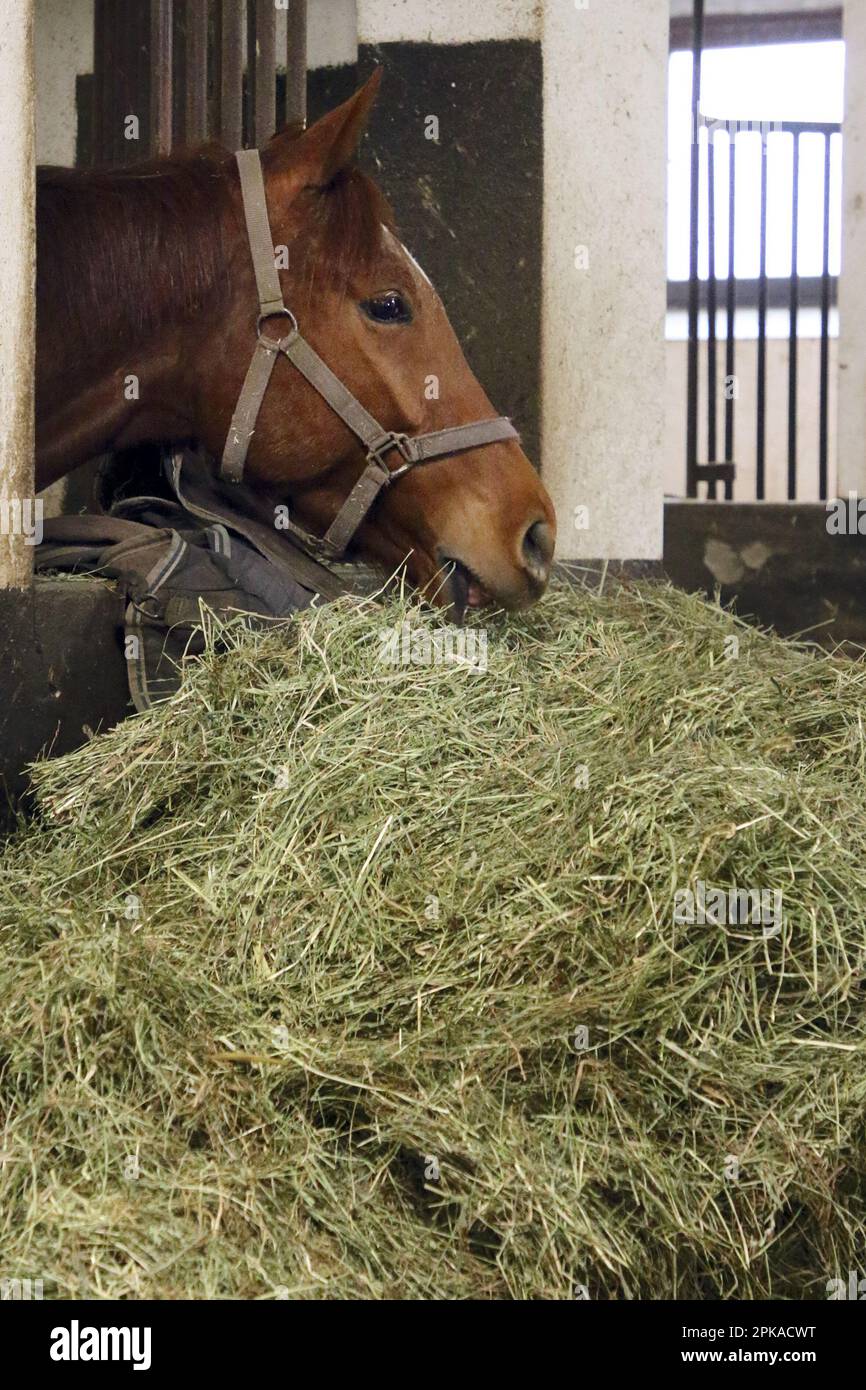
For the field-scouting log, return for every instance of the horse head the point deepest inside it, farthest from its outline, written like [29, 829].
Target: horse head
[482, 518]
[149, 270]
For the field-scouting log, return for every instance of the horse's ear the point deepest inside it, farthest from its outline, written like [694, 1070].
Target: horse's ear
[317, 156]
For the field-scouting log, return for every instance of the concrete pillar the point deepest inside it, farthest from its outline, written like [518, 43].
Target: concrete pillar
[604, 273]
[63, 43]
[17, 292]
[332, 34]
[852, 285]
[446, 21]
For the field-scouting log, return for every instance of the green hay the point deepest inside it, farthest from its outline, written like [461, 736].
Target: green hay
[330, 1047]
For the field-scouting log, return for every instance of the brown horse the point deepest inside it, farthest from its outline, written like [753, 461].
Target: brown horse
[146, 323]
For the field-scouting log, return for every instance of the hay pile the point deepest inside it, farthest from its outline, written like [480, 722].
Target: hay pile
[333, 979]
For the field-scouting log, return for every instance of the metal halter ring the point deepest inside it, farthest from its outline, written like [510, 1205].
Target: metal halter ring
[273, 344]
[139, 605]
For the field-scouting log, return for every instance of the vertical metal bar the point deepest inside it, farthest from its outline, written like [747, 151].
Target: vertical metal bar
[730, 348]
[100, 26]
[179, 74]
[113, 87]
[792, 329]
[762, 332]
[121, 82]
[195, 105]
[694, 287]
[824, 397]
[160, 76]
[295, 113]
[712, 360]
[231, 64]
[261, 70]
[17, 342]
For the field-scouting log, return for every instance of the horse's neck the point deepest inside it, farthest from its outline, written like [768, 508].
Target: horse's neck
[114, 410]
[109, 334]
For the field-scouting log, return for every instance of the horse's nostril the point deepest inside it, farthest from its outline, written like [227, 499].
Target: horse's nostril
[538, 549]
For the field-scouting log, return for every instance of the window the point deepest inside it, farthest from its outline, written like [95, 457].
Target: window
[765, 83]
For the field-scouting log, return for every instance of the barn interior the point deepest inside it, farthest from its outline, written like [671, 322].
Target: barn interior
[647, 222]
[690, 417]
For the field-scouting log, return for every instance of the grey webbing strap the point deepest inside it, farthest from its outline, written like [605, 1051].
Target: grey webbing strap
[423, 447]
[418, 450]
[259, 232]
[271, 301]
[339, 397]
[356, 506]
[243, 425]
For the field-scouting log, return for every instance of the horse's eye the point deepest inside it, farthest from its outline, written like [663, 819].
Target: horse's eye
[387, 308]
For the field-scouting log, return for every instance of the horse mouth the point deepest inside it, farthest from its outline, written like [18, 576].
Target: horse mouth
[466, 589]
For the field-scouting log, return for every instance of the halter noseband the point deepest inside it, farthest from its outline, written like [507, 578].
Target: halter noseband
[379, 442]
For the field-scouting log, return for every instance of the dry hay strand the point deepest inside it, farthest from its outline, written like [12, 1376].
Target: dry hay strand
[334, 978]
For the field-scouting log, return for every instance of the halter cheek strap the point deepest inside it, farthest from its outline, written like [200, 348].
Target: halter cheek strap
[378, 442]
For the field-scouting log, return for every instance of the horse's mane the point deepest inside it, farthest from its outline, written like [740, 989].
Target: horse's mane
[130, 250]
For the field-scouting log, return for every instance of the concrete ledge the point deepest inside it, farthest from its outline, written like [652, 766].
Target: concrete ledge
[597, 573]
[774, 562]
[62, 672]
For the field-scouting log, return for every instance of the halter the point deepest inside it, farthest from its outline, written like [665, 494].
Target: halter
[378, 442]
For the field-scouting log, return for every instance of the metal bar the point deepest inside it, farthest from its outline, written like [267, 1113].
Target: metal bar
[160, 76]
[730, 345]
[792, 329]
[115, 90]
[195, 105]
[824, 395]
[121, 83]
[178, 66]
[741, 125]
[778, 292]
[261, 70]
[716, 472]
[694, 228]
[712, 358]
[100, 24]
[761, 452]
[295, 113]
[231, 73]
[730, 30]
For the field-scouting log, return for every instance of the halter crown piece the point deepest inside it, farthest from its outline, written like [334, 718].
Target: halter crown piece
[379, 442]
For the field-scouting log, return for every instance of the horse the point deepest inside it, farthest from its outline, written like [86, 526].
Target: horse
[147, 308]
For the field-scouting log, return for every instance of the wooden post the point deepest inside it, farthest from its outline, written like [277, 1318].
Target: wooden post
[261, 71]
[160, 77]
[296, 65]
[231, 68]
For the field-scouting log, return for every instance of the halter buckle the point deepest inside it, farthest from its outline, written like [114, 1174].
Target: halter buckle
[392, 440]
